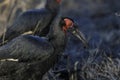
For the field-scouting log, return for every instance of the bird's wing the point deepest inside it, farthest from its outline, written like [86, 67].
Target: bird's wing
[27, 48]
[28, 21]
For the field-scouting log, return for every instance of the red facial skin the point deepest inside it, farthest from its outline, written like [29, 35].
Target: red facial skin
[69, 24]
[58, 1]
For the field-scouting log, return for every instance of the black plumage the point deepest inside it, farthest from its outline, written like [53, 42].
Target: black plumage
[36, 55]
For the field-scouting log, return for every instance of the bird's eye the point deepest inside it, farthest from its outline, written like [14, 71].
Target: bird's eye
[62, 23]
[66, 24]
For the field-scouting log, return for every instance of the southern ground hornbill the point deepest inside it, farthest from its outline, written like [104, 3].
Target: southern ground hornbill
[34, 55]
[37, 21]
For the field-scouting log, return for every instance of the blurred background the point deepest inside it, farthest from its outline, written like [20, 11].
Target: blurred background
[99, 20]
[10, 9]
[99, 13]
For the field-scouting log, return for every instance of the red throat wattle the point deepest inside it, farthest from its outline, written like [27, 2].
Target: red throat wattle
[68, 24]
[58, 1]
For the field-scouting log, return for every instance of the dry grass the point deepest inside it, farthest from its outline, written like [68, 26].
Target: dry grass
[92, 69]
[10, 9]
[106, 69]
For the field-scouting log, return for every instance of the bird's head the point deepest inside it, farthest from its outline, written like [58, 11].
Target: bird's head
[69, 26]
[54, 1]
[58, 1]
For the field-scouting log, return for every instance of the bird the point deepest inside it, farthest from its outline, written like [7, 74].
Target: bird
[36, 20]
[36, 55]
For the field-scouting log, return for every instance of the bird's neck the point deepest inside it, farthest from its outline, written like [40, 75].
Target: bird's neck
[54, 10]
[52, 7]
[56, 36]
[58, 39]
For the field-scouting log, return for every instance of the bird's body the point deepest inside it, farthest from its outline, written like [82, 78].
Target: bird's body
[37, 21]
[35, 54]
[24, 46]
[28, 21]
[35, 57]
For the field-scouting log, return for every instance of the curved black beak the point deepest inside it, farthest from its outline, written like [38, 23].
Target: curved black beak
[75, 31]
